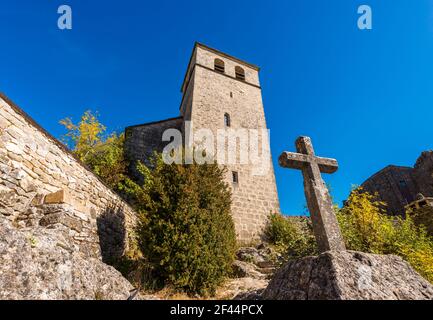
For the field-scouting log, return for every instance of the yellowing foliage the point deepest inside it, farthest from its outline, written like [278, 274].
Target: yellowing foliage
[187, 232]
[84, 136]
[365, 228]
[101, 153]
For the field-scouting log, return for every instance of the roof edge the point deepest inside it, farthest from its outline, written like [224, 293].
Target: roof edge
[219, 52]
[226, 55]
[153, 122]
[387, 168]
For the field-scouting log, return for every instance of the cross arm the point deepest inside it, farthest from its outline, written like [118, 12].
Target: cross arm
[299, 161]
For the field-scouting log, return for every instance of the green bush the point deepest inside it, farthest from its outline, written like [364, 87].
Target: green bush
[186, 230]
[292, 239]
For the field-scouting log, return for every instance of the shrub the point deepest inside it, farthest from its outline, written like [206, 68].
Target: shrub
[414, 245]
[290, 238]
[424, 217]
[84, 136]
[362, 223]
[366, 229]
[186, 230]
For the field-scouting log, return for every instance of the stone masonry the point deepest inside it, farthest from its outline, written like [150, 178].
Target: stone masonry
[399, 186]
[42, 184]
[209, 95]
[143, 140]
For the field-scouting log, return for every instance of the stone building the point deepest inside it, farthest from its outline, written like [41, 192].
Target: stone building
[399, 186]
[219, 91]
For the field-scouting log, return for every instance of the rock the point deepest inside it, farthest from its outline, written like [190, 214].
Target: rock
[252, 295]
[243, 269]
[39, 264]
[61, 196]
[348, 275]
[63, 218]
[251, 255]
[255, 262]
[242, 289]
[262, 256]
[252, 270]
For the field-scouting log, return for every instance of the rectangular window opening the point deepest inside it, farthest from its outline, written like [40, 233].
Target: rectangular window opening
[235, 177]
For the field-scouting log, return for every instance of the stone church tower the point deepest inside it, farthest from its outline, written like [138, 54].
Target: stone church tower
[220, 92]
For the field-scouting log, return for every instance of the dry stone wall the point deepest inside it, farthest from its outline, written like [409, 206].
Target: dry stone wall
[42, 184]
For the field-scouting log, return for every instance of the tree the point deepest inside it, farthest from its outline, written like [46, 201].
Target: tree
[186, 229]
[102, 153]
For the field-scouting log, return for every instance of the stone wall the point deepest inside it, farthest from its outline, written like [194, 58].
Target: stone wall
[399, 186]
[395, 186]
[423, 173]
[143, 140]
[43, 184]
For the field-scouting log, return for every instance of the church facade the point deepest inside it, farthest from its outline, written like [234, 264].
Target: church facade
[219, 92]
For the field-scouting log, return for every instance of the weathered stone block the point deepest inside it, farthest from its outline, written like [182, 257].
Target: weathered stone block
[62, 218]
[61, 196]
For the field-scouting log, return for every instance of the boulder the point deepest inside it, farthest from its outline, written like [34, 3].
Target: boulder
[39, 264]
[243, 269]
[348, 275]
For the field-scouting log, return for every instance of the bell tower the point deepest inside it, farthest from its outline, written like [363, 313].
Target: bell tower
[221, 92]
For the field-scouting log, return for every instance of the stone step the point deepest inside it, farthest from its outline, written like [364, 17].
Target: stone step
[265, 264]
[267, 270]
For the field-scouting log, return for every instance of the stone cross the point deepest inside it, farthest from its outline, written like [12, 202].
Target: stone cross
[325, 224]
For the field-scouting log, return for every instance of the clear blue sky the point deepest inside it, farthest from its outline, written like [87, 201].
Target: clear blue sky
[365, 97]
